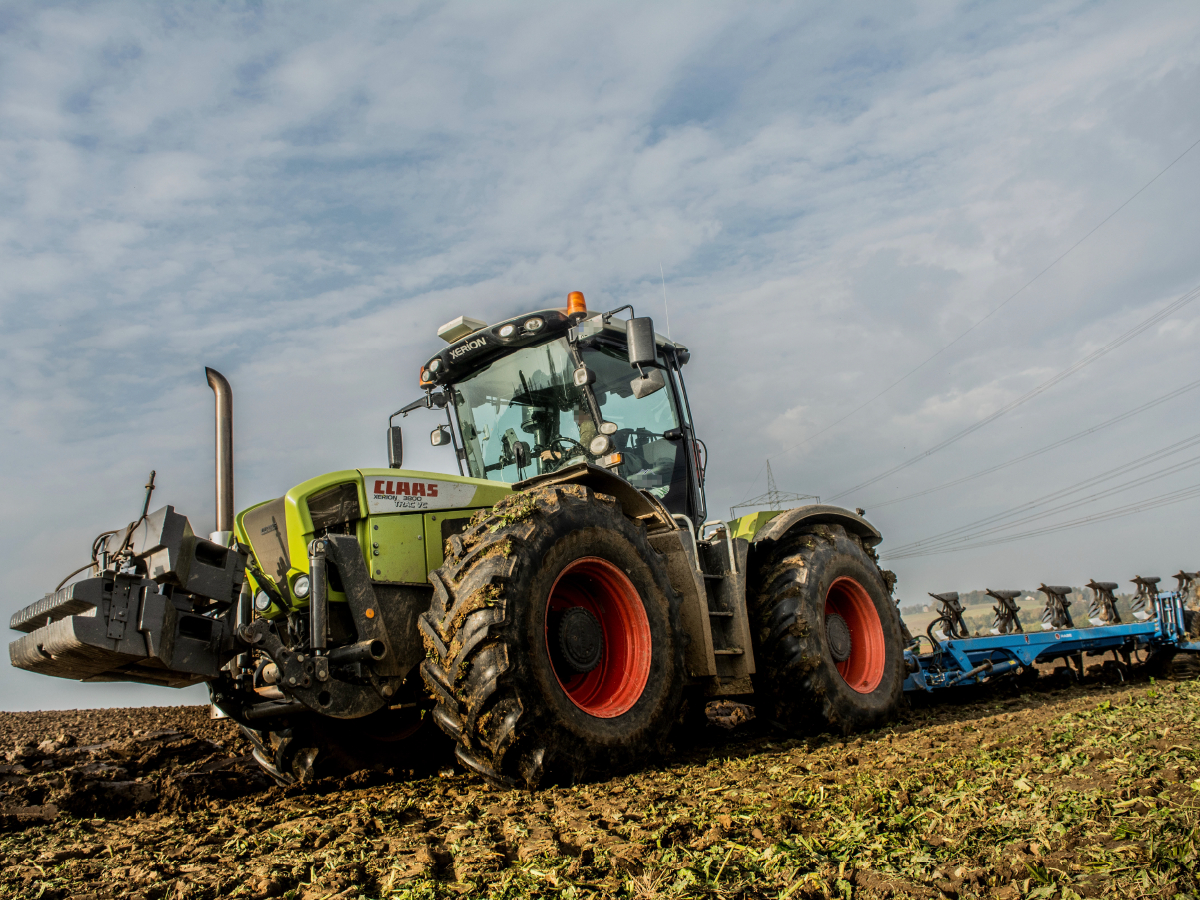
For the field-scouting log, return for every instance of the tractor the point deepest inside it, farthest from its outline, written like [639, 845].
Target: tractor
[562, 608]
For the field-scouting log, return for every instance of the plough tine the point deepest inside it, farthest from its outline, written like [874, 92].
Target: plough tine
[1007, 620]
[1143, 601]
[1102, 608]
[1056, 615]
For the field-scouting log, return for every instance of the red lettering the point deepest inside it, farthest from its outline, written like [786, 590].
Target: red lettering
[389, 488]
[402, 487]
[418, 489]
[433, 490]
[379, 485]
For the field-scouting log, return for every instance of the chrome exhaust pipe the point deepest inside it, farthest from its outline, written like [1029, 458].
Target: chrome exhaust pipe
[224, 433]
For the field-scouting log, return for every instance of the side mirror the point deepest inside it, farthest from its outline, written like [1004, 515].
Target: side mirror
[395, 447]
[440, 436]
[639, 332]
[645, 385]
[521, 453]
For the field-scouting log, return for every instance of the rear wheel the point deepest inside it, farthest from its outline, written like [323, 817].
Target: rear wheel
[554, 643]
[828, 638]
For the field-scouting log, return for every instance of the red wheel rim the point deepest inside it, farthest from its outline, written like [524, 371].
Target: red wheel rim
[863, 669]
[617, 681]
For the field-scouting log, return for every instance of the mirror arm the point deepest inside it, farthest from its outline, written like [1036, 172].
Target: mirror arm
[607, 317]
[429, 401]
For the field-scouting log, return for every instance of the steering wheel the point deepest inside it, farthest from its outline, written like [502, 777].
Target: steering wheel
[574, 448]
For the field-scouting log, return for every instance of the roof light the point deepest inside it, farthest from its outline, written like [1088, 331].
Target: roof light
[534, 324]
[576, 306]
[506, 331]
[426, 377]
[435, 364]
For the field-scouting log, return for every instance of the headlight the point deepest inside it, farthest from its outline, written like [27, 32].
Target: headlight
[599, 445]
[300, 586]
[506, 331]
[262, 602]
[534, 324]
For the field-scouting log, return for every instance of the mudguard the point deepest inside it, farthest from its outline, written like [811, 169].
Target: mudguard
[638, 505]
[818, 514]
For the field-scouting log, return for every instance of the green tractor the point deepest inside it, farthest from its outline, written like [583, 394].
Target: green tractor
[563, 607]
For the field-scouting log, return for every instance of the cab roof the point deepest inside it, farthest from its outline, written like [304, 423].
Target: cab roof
[482, 346]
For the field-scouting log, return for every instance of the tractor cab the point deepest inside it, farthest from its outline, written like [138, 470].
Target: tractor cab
[537, 392]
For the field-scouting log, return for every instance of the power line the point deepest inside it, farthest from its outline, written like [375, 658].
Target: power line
[995, 310]
[1166, 499]
[1041, 388]
[1056, 444]
[773, 498]
[973, 531]
[1149, 458]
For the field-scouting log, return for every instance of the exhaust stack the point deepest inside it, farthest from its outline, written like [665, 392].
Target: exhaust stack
[224, 435]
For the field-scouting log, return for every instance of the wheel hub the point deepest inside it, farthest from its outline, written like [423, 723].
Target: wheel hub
[838, 634]
[580, 639]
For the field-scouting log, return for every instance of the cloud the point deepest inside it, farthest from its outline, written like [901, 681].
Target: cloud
[299, 197]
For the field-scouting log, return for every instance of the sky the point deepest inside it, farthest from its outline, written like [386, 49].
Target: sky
[822, 195]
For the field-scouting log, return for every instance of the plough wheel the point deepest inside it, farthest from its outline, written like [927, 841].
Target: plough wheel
[554, 641]
[828, 641]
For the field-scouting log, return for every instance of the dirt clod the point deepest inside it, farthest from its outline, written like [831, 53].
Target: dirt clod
[1083, 790]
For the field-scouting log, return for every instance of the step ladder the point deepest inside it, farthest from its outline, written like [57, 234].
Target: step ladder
[715, 564]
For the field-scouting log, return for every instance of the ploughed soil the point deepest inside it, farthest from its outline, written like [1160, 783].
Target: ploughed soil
[1027, 791]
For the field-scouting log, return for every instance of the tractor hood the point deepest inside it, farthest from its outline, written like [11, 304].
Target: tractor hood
[367, 503]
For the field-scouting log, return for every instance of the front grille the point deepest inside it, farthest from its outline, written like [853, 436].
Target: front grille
[335, 506]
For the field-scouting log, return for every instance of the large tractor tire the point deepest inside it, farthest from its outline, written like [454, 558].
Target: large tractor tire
[827, 636]
[554, 644]
[404, 742]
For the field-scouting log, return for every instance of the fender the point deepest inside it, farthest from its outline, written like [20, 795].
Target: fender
[818, 514]
[637, 505]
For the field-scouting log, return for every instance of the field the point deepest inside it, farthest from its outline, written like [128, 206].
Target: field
[1083, 791]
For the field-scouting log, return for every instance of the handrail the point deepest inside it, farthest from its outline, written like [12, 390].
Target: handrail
[728, 541]
[691, 528]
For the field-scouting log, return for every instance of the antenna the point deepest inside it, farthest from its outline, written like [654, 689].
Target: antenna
[665, 308]
[773, 498]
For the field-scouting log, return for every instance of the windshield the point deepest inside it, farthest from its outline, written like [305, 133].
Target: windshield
[530, 397]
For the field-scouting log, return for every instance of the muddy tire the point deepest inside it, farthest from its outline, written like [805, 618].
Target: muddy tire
[827, 636]
[554, 643]
[398, 741]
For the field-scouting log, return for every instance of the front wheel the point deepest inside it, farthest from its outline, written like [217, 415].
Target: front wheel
[554, 643]
[828, 638]
[402, 741]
